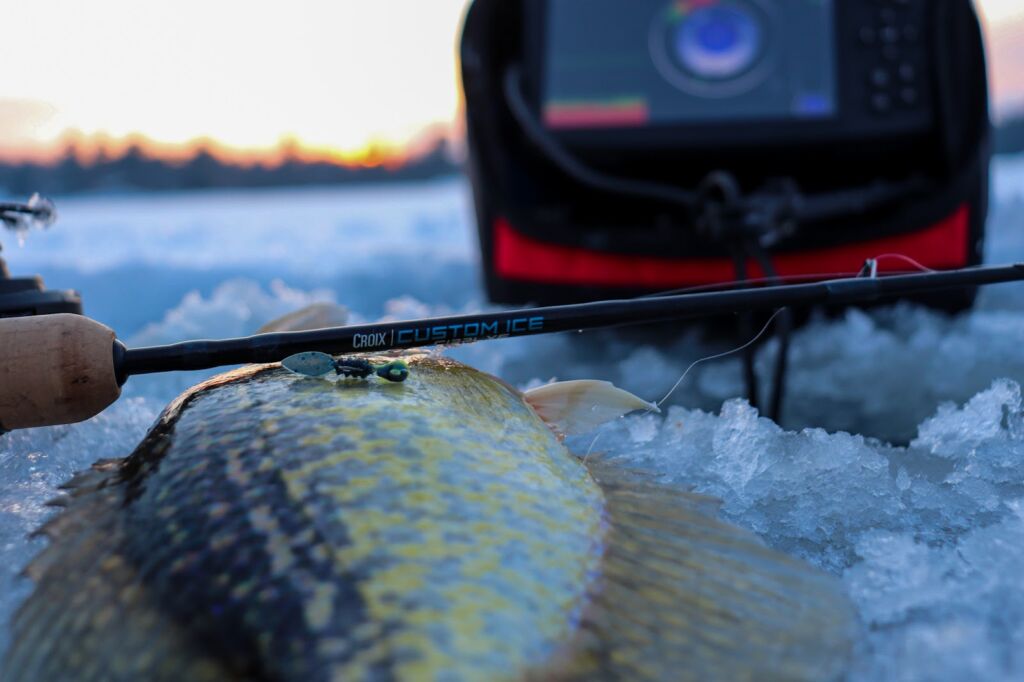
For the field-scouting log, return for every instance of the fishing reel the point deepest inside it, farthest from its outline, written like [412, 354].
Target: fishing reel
[28, 296]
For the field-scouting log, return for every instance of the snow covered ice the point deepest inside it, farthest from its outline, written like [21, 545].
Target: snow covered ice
[928, 539]
[899, 466]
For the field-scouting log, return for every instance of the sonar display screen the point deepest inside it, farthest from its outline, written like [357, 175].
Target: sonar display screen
[611, 63]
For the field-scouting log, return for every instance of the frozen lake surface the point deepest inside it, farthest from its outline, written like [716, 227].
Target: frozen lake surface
[899, 468]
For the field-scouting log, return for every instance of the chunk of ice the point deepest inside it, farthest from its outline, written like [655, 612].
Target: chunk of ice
[928, 538]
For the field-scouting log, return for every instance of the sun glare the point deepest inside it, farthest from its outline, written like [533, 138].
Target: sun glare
[350, 80]
[340, 77]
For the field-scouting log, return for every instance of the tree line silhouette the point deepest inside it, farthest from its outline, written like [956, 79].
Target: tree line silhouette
[136, 170]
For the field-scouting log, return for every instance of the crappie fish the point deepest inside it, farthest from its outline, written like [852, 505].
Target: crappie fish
[276, 527]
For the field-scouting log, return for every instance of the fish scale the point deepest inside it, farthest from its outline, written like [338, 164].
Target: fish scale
[342, 530]
[279, 527]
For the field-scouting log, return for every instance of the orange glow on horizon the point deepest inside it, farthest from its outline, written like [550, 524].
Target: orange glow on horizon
[349, 81]
[89, 148]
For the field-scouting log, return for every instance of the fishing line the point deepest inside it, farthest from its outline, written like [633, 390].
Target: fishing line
[785, 279]
[591, 448]
[750, 283]
[658, 404]
[905, 259]
[718, 356]
[767, 325]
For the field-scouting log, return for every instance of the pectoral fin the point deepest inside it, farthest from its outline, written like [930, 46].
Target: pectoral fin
[572, 407]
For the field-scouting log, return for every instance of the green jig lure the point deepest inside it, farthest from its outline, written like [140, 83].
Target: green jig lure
[315, 364]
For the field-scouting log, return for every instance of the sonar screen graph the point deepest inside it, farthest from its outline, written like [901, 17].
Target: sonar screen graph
[611, 64]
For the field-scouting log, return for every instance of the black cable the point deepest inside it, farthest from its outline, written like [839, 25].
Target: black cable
[575, 169]
[779, 204]
[783, 330]
[858, 199]
[745, 325]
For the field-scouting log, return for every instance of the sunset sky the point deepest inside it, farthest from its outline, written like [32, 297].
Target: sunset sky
[334, 75]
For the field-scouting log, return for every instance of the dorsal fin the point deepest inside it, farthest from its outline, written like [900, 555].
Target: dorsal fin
[683, 595]
[314, 316]
[572, 407]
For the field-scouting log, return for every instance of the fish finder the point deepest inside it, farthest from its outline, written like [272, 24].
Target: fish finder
[663, 73]
[620, 148]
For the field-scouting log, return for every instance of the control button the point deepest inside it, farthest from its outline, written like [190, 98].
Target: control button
[907, 72]
[880, 77]
[889, 35]
[909, 96]
[881, 103]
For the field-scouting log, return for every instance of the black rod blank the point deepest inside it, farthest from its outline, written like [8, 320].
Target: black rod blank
[192, 355]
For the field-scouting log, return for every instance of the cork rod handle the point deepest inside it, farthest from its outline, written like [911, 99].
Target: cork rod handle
[55, 369]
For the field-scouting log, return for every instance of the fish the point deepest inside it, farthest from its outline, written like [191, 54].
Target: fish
[314, 316]
[273, 526]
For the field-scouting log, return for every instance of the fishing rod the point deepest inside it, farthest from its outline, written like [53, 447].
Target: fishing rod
[59, 369]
